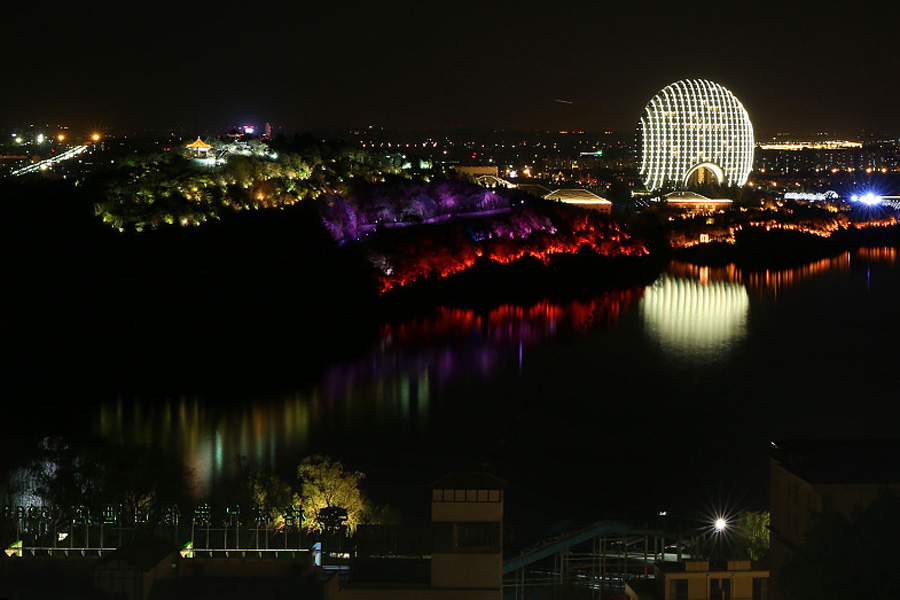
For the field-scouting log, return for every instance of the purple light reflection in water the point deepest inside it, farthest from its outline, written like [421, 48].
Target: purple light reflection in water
[394, 391]
[456, 342]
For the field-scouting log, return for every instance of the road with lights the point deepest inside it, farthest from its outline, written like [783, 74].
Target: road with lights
[49, 162]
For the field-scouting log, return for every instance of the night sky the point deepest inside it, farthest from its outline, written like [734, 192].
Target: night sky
[311, 65]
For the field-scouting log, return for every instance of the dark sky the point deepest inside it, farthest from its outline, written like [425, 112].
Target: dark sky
[310, 65]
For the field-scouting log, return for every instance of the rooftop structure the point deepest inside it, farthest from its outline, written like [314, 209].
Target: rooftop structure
[477, 170]
[199, 148]
[580, 197]
[693, 202]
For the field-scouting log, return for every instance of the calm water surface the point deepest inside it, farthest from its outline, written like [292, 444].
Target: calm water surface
[638, 400]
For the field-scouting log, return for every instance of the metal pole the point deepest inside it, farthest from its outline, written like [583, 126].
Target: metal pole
[602, 564]
[646, 543]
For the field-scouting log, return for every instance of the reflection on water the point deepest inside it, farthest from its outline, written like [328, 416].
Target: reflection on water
[401, 392]
[694, 319]
[208, 439]
[699, 313]
[388, 392]
[886, 255]
[458, 342]
[769, 282]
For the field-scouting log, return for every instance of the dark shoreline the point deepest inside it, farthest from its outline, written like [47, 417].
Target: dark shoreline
[759, 250]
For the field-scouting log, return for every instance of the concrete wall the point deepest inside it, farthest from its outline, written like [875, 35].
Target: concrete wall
[352, 593]
[466, 511]
[474, 570]
[243, 567]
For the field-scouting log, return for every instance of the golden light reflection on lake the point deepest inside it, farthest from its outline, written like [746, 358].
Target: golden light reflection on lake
[397, 391]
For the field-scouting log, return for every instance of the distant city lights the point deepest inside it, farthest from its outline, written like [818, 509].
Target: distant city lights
[812, 197]
[821, 145]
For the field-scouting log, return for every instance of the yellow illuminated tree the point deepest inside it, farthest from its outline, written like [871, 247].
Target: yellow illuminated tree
[273, 495]
[327, 486]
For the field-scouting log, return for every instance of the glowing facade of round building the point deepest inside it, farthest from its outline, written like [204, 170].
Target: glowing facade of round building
[694, 129]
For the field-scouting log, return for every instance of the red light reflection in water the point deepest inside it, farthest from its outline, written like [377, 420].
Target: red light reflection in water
[511, 323]
[391, 389]
[771, 281]
[394, 387]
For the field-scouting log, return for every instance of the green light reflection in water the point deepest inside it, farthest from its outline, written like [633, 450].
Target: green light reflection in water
[693, 313]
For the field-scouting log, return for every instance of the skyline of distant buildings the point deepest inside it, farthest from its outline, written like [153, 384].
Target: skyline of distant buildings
[589, 159]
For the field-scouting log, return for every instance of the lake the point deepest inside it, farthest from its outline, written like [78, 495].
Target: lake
[664, 397]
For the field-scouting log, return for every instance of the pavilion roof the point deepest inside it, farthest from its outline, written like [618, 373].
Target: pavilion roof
[199, 144]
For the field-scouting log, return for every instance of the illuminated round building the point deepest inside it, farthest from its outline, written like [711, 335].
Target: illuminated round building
[694, 131]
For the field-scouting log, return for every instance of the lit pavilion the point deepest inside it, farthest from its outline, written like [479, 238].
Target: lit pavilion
[199, 148]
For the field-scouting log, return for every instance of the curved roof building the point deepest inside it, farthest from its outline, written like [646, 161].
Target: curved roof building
[694, 130]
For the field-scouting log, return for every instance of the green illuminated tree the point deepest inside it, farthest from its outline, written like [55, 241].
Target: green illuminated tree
[272, 494]
[328, 486]
[753, 533]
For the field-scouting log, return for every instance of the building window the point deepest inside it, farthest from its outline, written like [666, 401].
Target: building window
[678, 589]
[474, 536]
[760, 588]
[720, 589]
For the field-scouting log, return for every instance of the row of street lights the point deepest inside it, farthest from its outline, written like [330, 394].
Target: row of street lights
[61, 137]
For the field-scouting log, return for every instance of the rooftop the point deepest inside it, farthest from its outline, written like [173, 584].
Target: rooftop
[576, 196]
[712, 566]
[854, 461]
[469, 481]
[198, 144]
[689, 196]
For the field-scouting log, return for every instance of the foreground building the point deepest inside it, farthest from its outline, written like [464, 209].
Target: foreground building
[809, 478]
[703, 580]
[694, 132]
[461, 559]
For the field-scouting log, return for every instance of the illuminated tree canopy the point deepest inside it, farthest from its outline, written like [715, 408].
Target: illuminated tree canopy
[167, 189]
[328, 485]
[753, 533]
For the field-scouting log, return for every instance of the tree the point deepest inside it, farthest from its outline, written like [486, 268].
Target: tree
[97, 475]
[753, 534]
[328, 486]
[271, 494]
